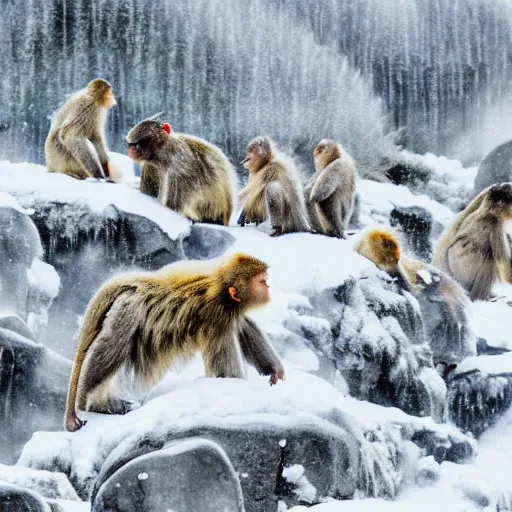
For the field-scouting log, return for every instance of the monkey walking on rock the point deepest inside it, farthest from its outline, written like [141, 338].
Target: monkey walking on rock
[76, 144]
[331, 191]
[145, 322]
[185, 173]
[274, 190]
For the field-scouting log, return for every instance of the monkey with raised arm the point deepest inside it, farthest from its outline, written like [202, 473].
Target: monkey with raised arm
[145, 322]
[76, 144]
[185, 173]
[443, 302]
[475, 250]
[274, 190]
[331, 191]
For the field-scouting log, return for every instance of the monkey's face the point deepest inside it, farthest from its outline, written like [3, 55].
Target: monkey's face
[109, 100]
[144, 140]
[253, 161]
[259, 290]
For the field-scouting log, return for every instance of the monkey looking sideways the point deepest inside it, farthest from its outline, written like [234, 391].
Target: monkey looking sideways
[76, 144]
[331, 191]
[274, 190]
[476, 249]
[444, 304]
[185, 173]
[144, 322]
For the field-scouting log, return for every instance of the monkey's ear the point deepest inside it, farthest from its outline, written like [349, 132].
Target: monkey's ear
[232, 294]
[167, 128]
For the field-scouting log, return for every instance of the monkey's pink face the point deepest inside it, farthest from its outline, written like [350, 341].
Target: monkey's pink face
[260, 290]
[110, 99]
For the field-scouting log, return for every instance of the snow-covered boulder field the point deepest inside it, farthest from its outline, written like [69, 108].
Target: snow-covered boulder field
[363, 414]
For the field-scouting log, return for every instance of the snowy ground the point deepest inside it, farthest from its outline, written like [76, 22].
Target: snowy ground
[300, 266]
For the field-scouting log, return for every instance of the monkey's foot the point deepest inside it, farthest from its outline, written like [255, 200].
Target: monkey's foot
[120, 406]
[74, 423]
[277, 231]
[274, 378]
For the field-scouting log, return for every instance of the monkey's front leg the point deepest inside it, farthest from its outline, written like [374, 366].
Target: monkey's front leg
[223, 358]
[259, 352]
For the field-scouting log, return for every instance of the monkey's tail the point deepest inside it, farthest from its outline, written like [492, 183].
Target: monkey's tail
[96, 312]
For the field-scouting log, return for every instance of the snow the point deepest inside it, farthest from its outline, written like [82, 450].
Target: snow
[31, 184]
[7, 201]
[304, 490]
[490, 365]
[45, 277]
[379, 199]
[492, 321]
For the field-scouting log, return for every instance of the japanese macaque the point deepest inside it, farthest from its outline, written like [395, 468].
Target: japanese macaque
[185, 173]
[274, 190]
[476, 249]
[76, 144]
[331, 191]
[145, 322]
[443, 302]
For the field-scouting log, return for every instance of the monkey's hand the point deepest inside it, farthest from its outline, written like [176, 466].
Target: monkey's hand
[74, 423]
[277, 375]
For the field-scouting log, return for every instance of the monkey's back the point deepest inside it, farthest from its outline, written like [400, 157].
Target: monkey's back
[211, 188]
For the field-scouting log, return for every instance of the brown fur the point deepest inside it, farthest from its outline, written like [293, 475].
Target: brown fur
[274, 190]
[147, 321]
[76, 144]
[185, 173]
[475, 249]
[331, 191]
[444, 304]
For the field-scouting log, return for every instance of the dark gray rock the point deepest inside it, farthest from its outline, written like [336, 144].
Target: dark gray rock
[415, 224]
[329, 454]
[18, 499]
[19, 245]
[33, 388]
[379, 345]
[203, 479]
[413, 175]
[496, 167]
[475, 400]
[17, 325]
[204, 242]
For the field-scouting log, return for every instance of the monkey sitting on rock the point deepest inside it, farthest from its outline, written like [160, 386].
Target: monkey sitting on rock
[274, 190]
[331, 191]
[145, 322]
[443, 302]
[476, 249]
[76, 144]
[185, 173]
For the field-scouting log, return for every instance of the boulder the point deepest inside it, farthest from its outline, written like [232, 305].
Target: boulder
[202, 479]
[496, 167]
[18, 499]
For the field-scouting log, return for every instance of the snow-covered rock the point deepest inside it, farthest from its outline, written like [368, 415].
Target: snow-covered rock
[33, 386]
[202, 479]
[345, 446]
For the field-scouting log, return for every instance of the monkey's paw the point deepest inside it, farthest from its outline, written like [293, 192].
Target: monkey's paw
[279, 375]
[74, 423]
[277, 231]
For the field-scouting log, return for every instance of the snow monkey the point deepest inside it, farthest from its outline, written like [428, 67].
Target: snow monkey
[76, 144]
[144, 322]
[331, 191]
[274, 190]
[443, 302]
[185, 173]
[476, 249]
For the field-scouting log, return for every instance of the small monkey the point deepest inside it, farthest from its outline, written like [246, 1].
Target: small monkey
[443, 302]
[76, 144]
[144, 322]
[274, 190]
[331, 191]
[476, 249]
[185, 173]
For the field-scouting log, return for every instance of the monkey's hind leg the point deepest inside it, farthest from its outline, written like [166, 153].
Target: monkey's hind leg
[276, 204]
[95, 388]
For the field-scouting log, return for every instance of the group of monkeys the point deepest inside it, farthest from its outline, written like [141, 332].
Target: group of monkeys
[144, 322]
[195, 178]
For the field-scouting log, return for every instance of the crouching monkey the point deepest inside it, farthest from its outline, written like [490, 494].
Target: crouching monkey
[76, 144]
[476, 249]
[331, 191]
[144, 322]
[444, 304]
[185, 173]
[274, 190]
